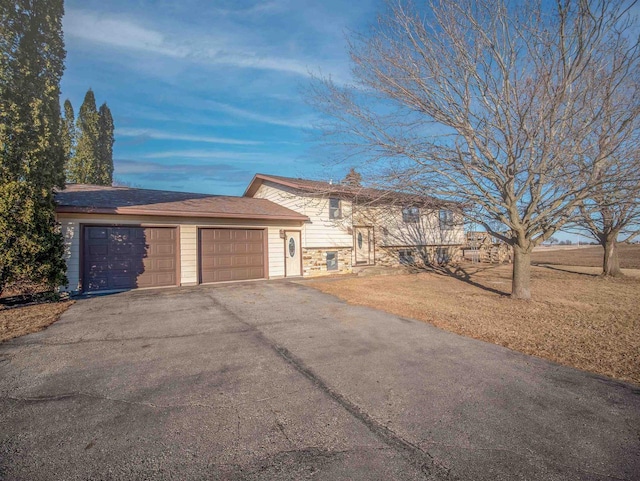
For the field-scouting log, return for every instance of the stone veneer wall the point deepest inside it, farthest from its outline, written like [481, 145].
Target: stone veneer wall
[314, 261]
[390, 256]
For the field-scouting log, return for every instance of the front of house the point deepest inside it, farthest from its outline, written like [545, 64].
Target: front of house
[351, 226]
[120, 238]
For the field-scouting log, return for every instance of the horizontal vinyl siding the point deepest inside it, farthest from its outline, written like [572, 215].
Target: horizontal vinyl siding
[324, 232]
[70, 227]
[188, 254]
[276, 253]
[281, 195]
[71, 233]
[400, 233]
[319, 231]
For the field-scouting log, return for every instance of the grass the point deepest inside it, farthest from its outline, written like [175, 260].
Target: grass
[21, 320]
[579, 320]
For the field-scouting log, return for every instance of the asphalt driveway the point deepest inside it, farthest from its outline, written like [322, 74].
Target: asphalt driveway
[274, 380]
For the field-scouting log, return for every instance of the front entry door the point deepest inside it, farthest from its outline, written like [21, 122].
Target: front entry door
[363, 245]
[293, 254]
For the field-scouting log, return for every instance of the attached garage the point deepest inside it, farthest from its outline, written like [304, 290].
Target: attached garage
[123, 257]
[232, 254]
[121, 238]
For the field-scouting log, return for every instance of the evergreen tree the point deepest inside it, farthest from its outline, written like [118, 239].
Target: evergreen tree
[353, 178]
[31, 151]
[105, 145]
[84, 166]
[68, 133]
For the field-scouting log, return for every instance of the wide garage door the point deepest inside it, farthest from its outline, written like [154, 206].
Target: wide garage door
[231, 254]
[129, 257]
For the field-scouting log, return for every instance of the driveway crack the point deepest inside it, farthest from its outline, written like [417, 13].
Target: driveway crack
[419, 458]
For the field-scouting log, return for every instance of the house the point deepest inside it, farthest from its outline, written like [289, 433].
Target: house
[124, 238]
[351, 226]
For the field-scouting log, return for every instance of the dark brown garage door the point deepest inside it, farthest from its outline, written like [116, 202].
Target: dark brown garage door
[231, 255]
[129, 257]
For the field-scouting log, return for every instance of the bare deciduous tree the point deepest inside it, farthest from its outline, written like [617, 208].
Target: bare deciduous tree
[493, 104]
[612, 214]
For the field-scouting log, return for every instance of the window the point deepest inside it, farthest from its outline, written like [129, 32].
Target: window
[442, 255]
[332, 261]
[406, 257]
[335, 210]
[410, 214]
[446, 220]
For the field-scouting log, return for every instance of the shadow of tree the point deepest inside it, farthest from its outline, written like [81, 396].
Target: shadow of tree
[462, 274]
[554, 268]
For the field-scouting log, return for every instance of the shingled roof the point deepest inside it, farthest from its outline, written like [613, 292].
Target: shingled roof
[96, 199]
[343, 190]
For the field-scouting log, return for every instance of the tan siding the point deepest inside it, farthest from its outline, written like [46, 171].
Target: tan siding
[70, 225]
[319, 231]
[188, 254]
[276, 253]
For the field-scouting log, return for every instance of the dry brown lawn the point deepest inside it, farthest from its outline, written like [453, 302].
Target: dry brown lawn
[578, 320]
[588, 256]
[18, 321]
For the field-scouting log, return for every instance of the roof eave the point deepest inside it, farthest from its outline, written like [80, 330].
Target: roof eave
[258, 179]
[175, 213]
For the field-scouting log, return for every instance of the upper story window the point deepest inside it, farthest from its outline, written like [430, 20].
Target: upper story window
[410, 214]
[447, 220]
[335, 209]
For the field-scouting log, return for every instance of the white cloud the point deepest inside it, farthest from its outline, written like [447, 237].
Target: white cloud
[161, 135]
[305, 122]
[251, 157]
[259, 8]
[116, 32]
[224, 49]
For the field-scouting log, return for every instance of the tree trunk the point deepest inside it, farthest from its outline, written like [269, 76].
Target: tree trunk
[521, 283]
[611, 264]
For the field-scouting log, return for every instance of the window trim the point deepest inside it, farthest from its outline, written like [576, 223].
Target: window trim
[410, 214]
[406, 257]
[335, 255]
[446, 222]
[335, 212]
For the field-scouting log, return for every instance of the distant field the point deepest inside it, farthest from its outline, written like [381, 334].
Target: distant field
[587, 256]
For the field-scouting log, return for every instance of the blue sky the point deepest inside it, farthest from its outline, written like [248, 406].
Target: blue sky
[206, 93]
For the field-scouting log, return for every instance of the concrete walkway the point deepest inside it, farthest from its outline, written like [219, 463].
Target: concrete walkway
[274, 380]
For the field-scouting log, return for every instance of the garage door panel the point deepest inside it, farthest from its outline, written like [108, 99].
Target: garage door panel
[129, 257]
[164, 265]
[98, 233]
[162, 234]
[97, 282]
[231, 254]
[98, 250]
[164, 250]
[222, 247]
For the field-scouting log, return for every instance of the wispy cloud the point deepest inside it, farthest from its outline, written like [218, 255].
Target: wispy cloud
[117, 32]
[126, 34]
[305, 122]
[259, 8]
[215, 155]
[162, 135]
[128, 167]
